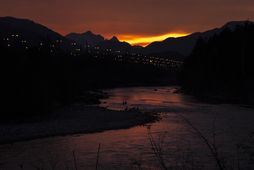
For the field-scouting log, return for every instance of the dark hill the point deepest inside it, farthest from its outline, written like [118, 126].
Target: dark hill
[184, 45]
[223, 65]
[29, 30]
[87, 38]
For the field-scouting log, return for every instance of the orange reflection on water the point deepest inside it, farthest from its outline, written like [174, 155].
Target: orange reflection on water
[148, 98]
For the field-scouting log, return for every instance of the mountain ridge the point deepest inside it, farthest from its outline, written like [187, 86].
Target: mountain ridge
[37, 33]
[86, 38]
[184, 45]
[28, 28]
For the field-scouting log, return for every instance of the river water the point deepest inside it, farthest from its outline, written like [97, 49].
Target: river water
[226, 127]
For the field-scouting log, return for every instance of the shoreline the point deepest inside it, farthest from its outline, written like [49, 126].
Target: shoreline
[217, 98]
[75, 119]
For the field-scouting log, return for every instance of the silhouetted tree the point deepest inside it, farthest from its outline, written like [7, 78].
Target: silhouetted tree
[223, 65]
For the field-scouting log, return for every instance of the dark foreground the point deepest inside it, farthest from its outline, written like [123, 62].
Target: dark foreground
[74, 119]
[227, 128]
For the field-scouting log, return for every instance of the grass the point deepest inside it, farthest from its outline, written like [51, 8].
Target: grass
[157, 150]
[211, 146]
[98, 156]
[75, 160]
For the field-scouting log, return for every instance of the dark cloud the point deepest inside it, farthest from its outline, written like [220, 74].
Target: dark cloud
[139, 17]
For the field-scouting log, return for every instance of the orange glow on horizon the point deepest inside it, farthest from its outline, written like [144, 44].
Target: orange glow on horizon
[146, 40]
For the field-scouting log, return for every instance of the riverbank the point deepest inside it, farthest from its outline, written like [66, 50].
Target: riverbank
[75, 119]
[226, 127]
[218, 97]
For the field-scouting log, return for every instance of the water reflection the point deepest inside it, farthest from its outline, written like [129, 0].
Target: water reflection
[121, 149]
[145, 98]
[128, 148]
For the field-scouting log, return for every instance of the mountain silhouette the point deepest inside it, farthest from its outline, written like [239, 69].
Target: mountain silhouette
[115, 45]
[114, 39]
[97, 40]
[184, 45]
[28, 30]
[36, 33]
[86, 38]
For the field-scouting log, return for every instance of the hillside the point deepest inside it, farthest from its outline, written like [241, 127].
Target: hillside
[223, 65]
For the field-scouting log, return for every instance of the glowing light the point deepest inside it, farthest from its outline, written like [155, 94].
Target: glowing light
[145, 40]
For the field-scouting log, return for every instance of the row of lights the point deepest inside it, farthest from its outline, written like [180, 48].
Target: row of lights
[96, 48]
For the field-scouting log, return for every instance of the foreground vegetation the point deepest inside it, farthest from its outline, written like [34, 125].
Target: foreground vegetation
[222, 67]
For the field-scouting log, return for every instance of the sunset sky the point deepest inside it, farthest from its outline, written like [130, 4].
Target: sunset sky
[135, 21]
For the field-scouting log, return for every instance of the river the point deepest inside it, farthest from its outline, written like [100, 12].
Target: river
[226, 127]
